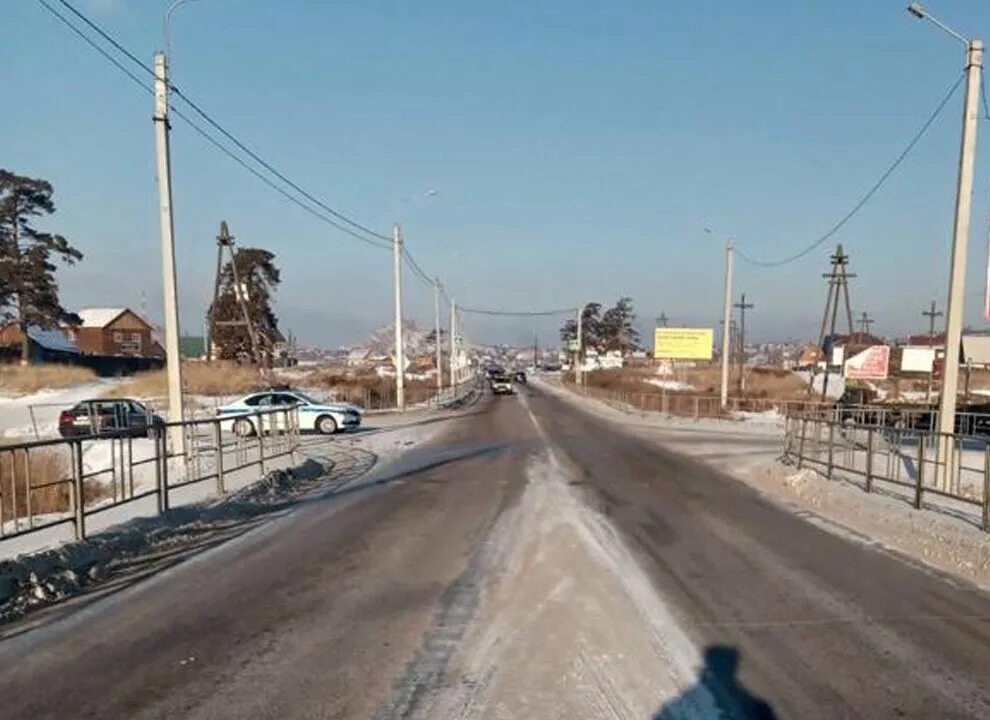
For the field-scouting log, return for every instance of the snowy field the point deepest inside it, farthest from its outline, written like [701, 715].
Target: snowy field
[750, 451]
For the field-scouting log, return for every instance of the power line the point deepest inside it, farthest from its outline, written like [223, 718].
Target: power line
[516, 313]
[385, 242]
[869, 194]
[97, 47]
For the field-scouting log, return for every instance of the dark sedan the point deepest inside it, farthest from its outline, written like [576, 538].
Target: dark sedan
[108, 418]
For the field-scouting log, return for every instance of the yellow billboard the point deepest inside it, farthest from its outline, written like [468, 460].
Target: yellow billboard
[682, 343]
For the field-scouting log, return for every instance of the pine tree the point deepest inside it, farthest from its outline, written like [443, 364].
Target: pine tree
[591, 330]
[28, 289]
[617, 329]
[259, 277]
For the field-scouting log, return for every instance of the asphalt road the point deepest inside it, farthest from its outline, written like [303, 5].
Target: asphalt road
[353, 605]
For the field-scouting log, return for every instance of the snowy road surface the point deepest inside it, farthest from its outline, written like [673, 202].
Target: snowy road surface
[532, 561]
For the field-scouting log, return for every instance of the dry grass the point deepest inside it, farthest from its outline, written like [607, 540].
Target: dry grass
[198, 378]
[366, 388]
[761, 382]
[28, 379]
[48, 469]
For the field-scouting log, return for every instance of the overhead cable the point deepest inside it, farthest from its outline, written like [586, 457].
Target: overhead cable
[869, 194]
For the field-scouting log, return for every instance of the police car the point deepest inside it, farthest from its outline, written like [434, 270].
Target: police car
[324, 418]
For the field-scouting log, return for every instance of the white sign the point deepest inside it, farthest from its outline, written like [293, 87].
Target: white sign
[917, 359]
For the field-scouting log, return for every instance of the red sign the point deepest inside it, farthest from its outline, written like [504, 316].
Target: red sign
[871, 364]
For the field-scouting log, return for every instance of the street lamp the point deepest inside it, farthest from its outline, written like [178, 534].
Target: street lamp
[960, 242]
[166, 22]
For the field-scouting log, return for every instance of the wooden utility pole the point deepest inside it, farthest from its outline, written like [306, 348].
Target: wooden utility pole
[225, 243]
[865, 322]
[742, 306]
[838, 280]
[931, 314]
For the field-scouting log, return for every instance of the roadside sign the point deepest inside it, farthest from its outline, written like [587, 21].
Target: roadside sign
[871, 364]
[682, 343]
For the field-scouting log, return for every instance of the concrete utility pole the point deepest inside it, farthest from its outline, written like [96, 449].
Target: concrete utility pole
[580, 341]
[726, 328]
[400, 360]
[173, 361]
[960, 244]
[439, 342]
[743, 307]
[865, 323]
[453, 344]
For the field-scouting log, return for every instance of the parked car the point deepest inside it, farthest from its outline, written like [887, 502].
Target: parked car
[502, 385]
[324, 418]
[108, 417]
[520, 377]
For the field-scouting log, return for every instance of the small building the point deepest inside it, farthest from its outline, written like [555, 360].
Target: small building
[117, 332]
[44, 345]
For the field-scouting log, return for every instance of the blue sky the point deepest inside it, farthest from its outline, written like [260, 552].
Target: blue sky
[577, 150]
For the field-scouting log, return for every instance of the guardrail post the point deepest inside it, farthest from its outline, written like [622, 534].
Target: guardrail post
[261, 445]
[78, 494]
[161, 468]
[986, 487]
[921, 471]
[218, 441]
[800, 461]
[869, 459]
[831, 448]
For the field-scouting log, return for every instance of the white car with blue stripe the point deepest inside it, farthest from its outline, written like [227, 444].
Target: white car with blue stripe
[321, 417]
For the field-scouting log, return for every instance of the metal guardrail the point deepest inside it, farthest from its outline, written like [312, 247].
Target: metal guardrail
[917, 461]
[46, 483]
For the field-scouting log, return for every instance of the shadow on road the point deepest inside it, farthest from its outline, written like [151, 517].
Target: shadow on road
[718, 681]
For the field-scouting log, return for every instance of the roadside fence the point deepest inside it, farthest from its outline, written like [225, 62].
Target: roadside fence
[48, 483]
[920, 465]
[697, 406]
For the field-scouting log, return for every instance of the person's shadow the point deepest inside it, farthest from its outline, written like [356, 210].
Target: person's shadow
[717, 682]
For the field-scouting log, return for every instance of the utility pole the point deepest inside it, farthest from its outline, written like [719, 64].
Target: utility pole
[931, 314]
[536, 356]
[580, 339]
[838, 280]
[439, 342]
[865, 323]
[960, 243]
[743, 306]
[400, 360]
[960, 246]
[726, 326]
[173, 361]
[453, 344]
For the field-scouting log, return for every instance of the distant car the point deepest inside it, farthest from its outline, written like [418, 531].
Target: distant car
[324, 418]
[520, 377]
[108, 417]
[493, 371]
[502, 385]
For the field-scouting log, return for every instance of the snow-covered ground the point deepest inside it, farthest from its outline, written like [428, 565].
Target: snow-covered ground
[669, 384]
[750, 451]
